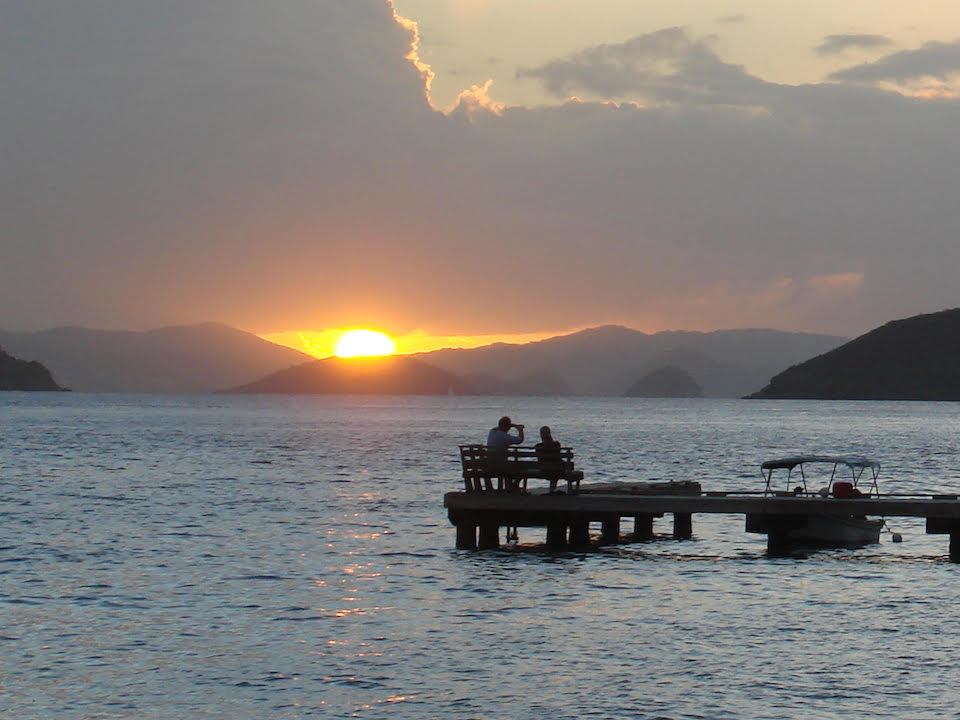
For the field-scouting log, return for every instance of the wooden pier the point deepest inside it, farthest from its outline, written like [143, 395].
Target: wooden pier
[478, 516]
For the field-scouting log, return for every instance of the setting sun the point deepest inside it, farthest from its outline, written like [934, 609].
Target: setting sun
[364, 343]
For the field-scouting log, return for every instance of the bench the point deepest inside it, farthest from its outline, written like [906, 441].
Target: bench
[512, 473]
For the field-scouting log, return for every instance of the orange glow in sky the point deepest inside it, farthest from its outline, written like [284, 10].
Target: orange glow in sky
[324, 343]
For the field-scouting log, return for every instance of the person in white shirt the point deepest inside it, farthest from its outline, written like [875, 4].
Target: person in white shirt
[500, 438]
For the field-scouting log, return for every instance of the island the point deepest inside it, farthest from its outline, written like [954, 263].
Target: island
[665, 382]
[16, 374]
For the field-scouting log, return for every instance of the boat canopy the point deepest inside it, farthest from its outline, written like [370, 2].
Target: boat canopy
[791, 462]
[856, 465]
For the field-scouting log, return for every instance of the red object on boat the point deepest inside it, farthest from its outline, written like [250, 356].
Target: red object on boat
[843, 490]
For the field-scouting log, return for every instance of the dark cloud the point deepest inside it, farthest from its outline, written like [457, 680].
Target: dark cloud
[279, 167]
[666, 66]
[935, 59]
[837, 44]
[732, 19]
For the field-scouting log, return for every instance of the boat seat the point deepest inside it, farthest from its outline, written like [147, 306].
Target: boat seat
[843, 490]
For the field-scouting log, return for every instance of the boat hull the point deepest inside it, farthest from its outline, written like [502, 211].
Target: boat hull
[837, 530]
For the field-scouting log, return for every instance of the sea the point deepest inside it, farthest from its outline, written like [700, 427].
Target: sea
[225, 556]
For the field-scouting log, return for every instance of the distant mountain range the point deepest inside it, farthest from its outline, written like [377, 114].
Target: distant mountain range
[395, 375]
[184, 359]
[917, 358]
[608, 360]
[16, 374]
[600, 361]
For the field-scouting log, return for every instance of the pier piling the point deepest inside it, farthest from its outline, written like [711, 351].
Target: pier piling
[466, 536]
[682, 526]
[610, 531]
[489, 536]
[580, 534]
[642, 528]
[556, 536]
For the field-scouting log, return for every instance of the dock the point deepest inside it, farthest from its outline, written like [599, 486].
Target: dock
[478, 516]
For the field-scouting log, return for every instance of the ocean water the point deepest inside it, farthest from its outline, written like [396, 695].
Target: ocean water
[289, 557]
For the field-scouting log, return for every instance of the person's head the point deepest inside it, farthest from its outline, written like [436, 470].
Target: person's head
[505, 423]
[545, 434]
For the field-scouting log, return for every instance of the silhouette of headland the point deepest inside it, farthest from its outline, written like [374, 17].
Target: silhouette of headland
[917, 358]
[16, 374]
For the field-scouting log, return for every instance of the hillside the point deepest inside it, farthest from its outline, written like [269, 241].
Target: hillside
[607, 360]
[183, 359]
[16, 374]
[395, 375]
[917, 358]
[665, 382]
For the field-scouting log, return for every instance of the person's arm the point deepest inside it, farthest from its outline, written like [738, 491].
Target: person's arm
[519, 430]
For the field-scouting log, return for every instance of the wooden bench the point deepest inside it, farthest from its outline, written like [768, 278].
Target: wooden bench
[511, 474]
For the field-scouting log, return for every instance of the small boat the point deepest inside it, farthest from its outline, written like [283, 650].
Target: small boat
[837, 477]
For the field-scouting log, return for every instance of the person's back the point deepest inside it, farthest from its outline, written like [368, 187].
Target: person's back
[549, 457]
[500, 438]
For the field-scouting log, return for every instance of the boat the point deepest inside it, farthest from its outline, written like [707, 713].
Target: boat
[837, 477]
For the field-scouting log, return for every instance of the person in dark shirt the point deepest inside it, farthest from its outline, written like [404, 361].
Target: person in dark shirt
[548, 457]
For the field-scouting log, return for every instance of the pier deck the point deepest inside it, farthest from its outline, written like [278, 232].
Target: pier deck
[608, 504]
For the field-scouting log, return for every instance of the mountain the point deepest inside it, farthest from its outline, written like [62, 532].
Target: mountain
[665, 382]
[396, 375]
[182, 359]
[18, 374]
[607, 360]
[913, 359]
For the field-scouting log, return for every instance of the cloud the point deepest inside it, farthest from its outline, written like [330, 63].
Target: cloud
[838, 282]
[280, 168]
[732, 19]
[665, 66]
[935, 60]
[838, 44]
[477, 99]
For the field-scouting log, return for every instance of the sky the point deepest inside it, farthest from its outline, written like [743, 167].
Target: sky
[463, 169]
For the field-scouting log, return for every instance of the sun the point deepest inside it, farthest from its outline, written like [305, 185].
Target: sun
[364, 343]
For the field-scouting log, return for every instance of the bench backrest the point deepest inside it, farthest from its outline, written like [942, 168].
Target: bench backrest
[476, 458]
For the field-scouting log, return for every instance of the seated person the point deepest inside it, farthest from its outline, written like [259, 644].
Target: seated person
[498, 440]
[549, 458]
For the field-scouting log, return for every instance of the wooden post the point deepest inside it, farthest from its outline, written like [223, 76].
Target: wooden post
[777, 543]
[466, 536]
[682, 526]
[955, 546]
[643, 527]
[556, 535]
[946, 526]
[489, 536]
[580, 534]
[610, 531]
